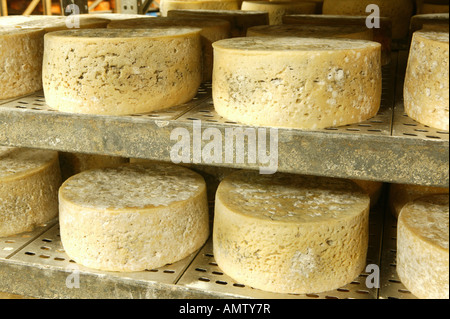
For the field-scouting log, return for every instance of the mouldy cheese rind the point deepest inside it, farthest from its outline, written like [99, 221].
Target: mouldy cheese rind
[20, 61]
[133, 217]
[239, 20]
[426, 86]
[422, 247]
[399, 11]
[293, 82]
[167, 5]
[289, 233]
[29, 182]
[121, 71]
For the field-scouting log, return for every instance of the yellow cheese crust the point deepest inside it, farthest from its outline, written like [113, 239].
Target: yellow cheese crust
[277, 9]
[288, 233]
[168, 5]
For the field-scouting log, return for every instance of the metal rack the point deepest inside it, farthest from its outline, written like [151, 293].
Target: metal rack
[389, 147]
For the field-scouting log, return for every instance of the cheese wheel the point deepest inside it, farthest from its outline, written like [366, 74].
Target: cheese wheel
[286, 30]
[133, 217]
[116, 16]
[292, 82]
[422, 247]
[20, 61]
[399, 11]
[382, 35]
[121, 71]
[277, 9]
[29, 182]
[419, 20]
[401, 194]
[239, 20]
[167, 5]
[290, 233]
[57, 23]
[74, 163]
[426, 86]
[211, 30]
[318, 3]
[434, 8]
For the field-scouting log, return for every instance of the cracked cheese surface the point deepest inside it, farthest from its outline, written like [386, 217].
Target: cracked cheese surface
[133, 217]
[294, 82]
[422, 246]
[29, 182]
[290, 233]
[121, 71]
[20, 61]
[426, 86]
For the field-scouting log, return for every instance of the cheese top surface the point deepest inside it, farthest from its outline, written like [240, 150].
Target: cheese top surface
[132, 186]
[15, 162]
[291, 44]
[159, 32]
[307, 30]
[12, 31]
[51, 23]
[428, 218]
[167, 21]
[218, 12]
[433, 36]
[291, 198]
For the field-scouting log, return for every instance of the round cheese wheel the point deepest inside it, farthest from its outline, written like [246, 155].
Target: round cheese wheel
[239, 20]
[289, 233]
[426, 87]
[399, 11]
[29, 182]
[401, 194]
[286, 30]
[20, 61]
[212, 30]
[277, 9]
[422, 247]
[121, 71]
[133, 217]
[167, 5]
[57, 23]
[294, 82]
[74, 163]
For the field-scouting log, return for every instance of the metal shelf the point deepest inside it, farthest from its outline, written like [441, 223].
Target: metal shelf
[380, 149]
[38, 257]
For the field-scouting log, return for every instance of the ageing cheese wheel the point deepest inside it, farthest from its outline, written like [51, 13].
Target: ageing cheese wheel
[306, 83]
[121, 71]
[167, 5]
[29, 182]
[419, 20]
[20, 61]
[422, 247]
[133, 217]
[286, 30]
[212, 30]
[290, 233]
[401, 194]
[239, 20]
[399, 11]
[382, 35]
[57, 23]
[426, 86]
[277, 9]
[74, 163]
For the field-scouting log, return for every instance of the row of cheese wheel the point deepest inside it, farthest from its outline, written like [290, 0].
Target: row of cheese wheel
[282, 233]
[308, 83]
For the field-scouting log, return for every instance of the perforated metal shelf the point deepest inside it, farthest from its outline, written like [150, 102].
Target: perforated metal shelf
[378, 149]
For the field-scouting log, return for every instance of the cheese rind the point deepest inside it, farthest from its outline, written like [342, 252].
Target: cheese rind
[399, 11]
[239, 20]
[294, 82]
[422, 247]
[121, 71]
[29, 182]
[58, 23]
[288, 233]
[277, 9]
[20, 61]
[212, 30]
[133, 217]
[167, 5]
[426, 86]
